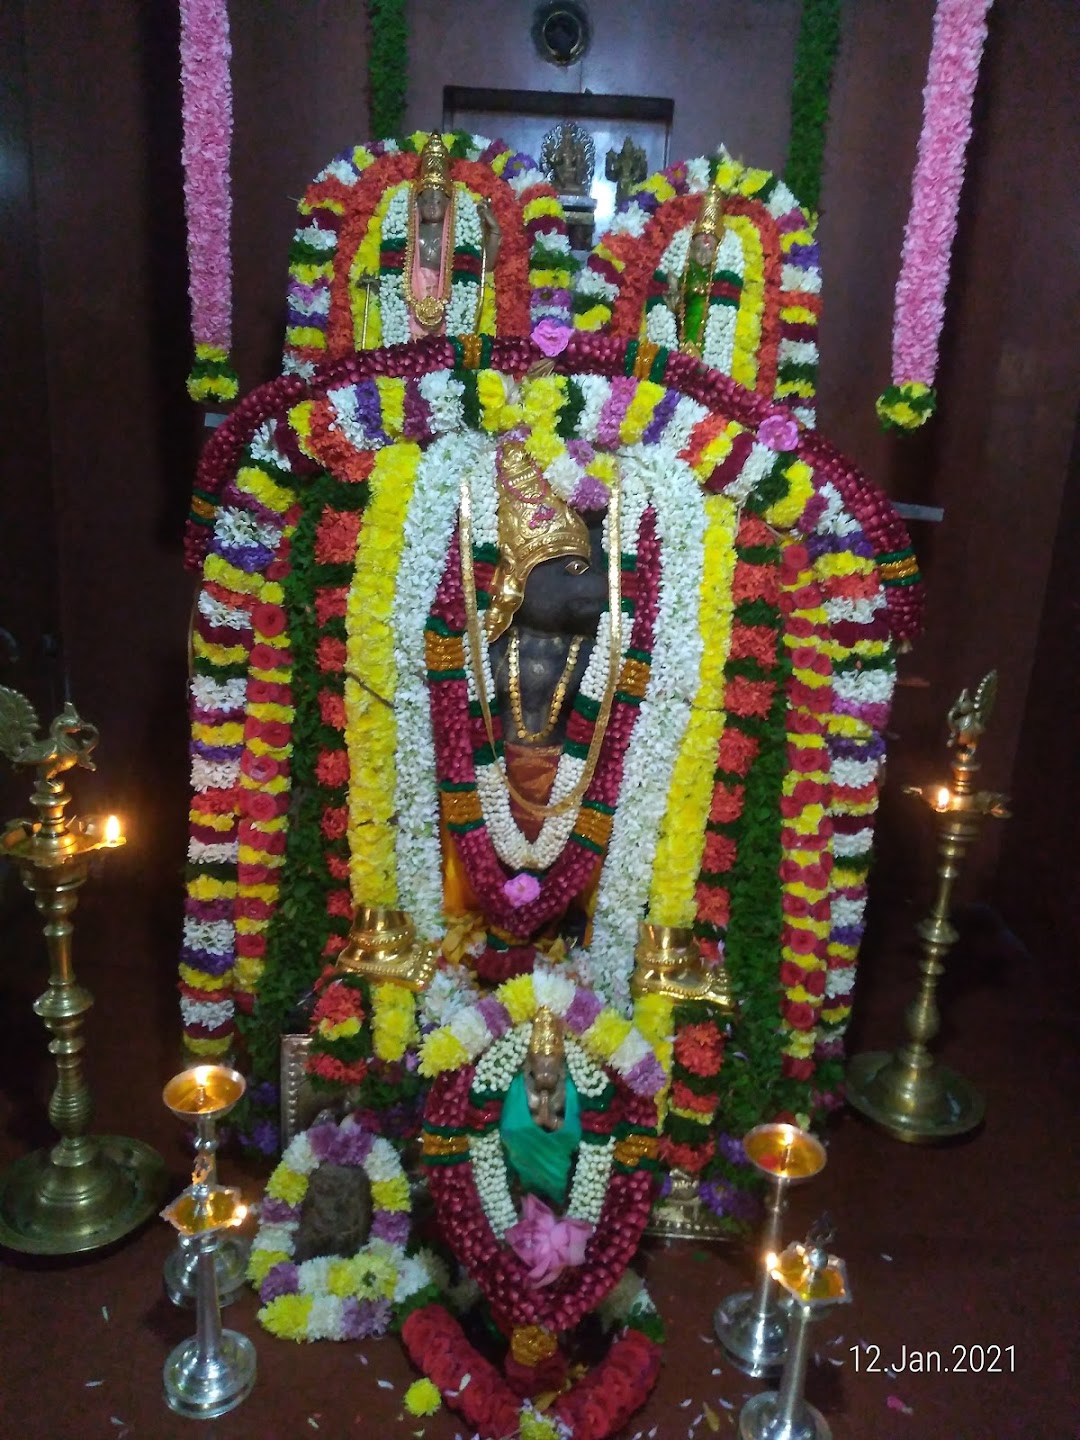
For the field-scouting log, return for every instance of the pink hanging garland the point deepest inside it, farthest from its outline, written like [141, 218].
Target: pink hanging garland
[959, 36]
[205, 53]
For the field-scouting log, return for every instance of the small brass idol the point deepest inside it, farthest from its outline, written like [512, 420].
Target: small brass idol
[87, 1191]
[907, 1093]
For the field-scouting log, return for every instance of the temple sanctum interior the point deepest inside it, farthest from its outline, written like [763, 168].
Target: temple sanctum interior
[538, 701]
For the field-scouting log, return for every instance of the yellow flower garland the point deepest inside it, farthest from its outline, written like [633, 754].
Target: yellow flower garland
[371, 676]
[672, 895]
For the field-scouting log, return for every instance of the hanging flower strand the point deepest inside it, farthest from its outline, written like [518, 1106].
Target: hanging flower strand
[959, 35]
[207, 100]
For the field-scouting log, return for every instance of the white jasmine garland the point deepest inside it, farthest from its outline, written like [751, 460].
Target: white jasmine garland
[383, 1162]
[864, 687]
[220, 613]
[317, 237]
[443, 393]
[758, 464]
[210, 694]
[299, 1155]
[492, 1182]
[205, 1012]
[855, 773]
[799, 352]
[264, 449]
[553, 990]
[854, 844]
[224, 852]
[214, 936]
[592, 1176]
[464, 294]
[718, 349]
[677, 431]
[672, 488]
[315, 300]
[585, 1073]
[291, 365]
[348, 422]
[451, 990]
[595, 390]
[502, 1061]
[338, 170]
[469, 1028]
[847, 911]
[393, 310]
[631, 221]
[428, 530]
[214, 774]
[798, 277]
[235, 527]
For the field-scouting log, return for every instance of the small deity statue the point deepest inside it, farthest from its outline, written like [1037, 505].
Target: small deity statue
[429, 255]
[541, 1117]
[568, 158]
[627, 167]
[688, 294]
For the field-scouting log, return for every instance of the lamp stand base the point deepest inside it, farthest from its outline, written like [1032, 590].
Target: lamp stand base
[47, 1208]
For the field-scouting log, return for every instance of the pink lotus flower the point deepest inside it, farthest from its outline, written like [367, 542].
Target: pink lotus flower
[545, 1243]
[521, 889]
[779, 432]
[550, 336]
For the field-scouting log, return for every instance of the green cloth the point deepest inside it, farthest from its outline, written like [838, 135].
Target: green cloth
[540, 1158]
[698, 285]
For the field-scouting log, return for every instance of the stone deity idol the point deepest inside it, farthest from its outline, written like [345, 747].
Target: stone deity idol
[688, 294]
[429, 253]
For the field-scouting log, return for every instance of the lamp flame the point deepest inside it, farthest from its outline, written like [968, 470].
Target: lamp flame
[240, 1215]
[112, 830]
[943, 798]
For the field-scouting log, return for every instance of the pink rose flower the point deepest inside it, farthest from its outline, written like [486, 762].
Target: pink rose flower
[779, 432]
[546, 1244]
[550, 336]
[521, 889]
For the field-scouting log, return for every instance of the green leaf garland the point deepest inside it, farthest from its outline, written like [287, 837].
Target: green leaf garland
[815, 60]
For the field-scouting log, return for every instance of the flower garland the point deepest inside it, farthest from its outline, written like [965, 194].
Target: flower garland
[370, 676]
[593, 1408]
[242, 713]
[697, 1062]
[467, 1173]
[959, 35]
[207, 113]
[682, 831]
[815, 60]
[352, 1021]
[335, 1297]
[608, 394]
[532, 272]
[806, 800]
[388, 65]
[774, 287]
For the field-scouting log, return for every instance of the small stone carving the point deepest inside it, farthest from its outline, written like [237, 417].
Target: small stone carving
[627, 166]
[568, 158]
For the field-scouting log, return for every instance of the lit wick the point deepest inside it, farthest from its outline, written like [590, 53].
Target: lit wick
[112, 830]
[944, 798]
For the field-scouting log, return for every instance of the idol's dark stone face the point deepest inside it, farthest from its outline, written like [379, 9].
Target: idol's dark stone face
[562, 596]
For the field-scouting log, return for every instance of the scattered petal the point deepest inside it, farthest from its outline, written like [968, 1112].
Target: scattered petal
[464, 1381]
[385, 1385]
[708, 1339]
[895, 1403]
[105, 1313]
[712, 1419]
[91, 1383]
[313, 1422]
[685, 1404]
[886, 1257]
[890, 1372]
[833, 1360]
[361, 1357]
[727, 1404]
[718, 1370]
